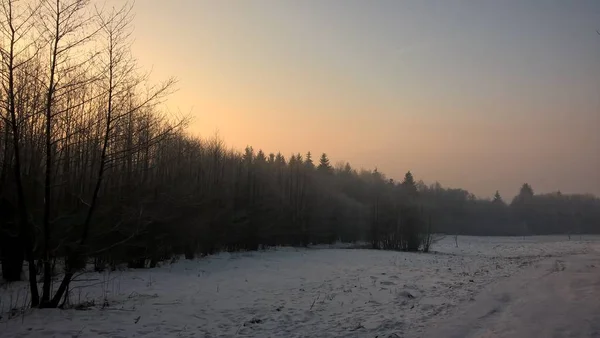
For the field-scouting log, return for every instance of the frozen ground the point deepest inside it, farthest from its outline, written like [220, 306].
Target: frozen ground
[557, 298]
[323, 292]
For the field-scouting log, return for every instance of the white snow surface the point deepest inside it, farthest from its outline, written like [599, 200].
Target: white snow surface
[315, 292]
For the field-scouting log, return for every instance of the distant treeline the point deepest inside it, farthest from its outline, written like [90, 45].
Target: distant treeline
[92, 171]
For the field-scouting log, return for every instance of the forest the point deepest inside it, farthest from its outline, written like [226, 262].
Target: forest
[94, 171]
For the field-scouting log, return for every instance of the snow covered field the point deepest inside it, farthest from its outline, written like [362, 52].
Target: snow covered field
[287, 292]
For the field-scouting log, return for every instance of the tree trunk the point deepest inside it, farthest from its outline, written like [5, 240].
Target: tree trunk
[12, 256]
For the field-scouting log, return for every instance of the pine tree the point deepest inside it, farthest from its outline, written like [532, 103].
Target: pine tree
[409, 184]
[280, 159]
[347, 169]
[293, 160]
[526, 191]
[248, 155]
[498, 198]
[324, 165]
[523, 208]
[309, 162]
[260, 157]
[525, 194]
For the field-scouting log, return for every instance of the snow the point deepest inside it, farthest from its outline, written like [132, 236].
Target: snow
[288, 292]
[557, 298]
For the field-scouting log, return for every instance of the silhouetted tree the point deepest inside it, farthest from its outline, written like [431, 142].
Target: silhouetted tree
[309, 162]
[324, 165]
[409, 185]
[497, 198]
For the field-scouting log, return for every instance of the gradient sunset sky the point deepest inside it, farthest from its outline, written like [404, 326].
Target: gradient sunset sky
[481, 94]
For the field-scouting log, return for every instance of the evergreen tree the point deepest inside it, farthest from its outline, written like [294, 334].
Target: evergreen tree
[347, 169]
[525, 195]
[309, 162]
[526, 191]
[280, 159]
[293, 161]
[409, 185]
[248, 156]
[324, 165]
[497, 198]
[522, 207]
[260, 157]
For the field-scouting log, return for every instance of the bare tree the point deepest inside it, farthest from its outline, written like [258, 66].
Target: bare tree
[66, 28]
[16, 50]
[118, 83]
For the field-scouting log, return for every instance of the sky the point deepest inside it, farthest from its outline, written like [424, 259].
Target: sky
[483, 95]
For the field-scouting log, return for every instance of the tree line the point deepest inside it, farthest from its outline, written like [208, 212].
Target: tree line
[92, 171]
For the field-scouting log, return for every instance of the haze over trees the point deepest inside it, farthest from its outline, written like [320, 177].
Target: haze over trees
[92, 171]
